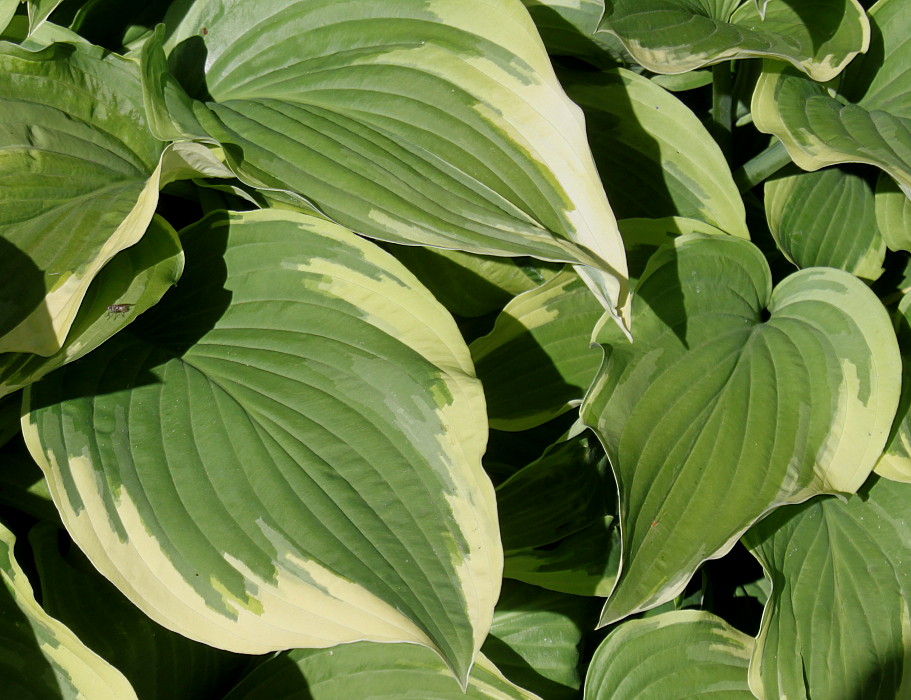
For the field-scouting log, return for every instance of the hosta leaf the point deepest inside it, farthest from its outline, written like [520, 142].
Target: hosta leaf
[39, 11]
[374, 671]
[895, 462]
[537, 361]
[471, 285]
[838, 622]
[643, 237]
[7, 11]
[563, 492]
[826, 218]
[893, 214]
[22, 484]
[570, 28]
[79, 182]
[681, 655]
[714, 416]
[674, 36]
[867, 121]
[132, 281]
[535, 636]
[285, 452]
[157, 662]
[39, 657]
[655, 156]
[584, 563]
[382, 119]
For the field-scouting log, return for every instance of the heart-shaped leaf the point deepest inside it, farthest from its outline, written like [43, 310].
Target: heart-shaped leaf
[284, 452]
[839, 617]
[681, 655]
[715, 416]
[674, 36]
[386, 135]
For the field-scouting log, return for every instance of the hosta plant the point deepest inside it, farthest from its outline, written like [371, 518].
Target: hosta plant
[455, 348]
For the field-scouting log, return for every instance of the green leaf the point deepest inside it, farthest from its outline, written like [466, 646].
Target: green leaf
[76, 158]
[643, 237]
[375, 671]
[826, 218]
[537, 361]
[655, 156]
[838, 622]
[570, 28]
[471, 285]
[681, 655]
[285, 452]
[39, 656]
[39, 11]
[585, 563]
[133, 281]
[22, 485]
[157, 662]
[535, 637]
[714, 416]
[893, 214]
[563, 492]
[674, 36]
[7, 12]
[438, 123]
[868, 119]
[895, 462]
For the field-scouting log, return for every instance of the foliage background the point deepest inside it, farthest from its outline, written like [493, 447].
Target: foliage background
[429, 348]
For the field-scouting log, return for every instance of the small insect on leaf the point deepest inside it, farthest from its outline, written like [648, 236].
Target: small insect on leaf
[205, 31]
[119, 308]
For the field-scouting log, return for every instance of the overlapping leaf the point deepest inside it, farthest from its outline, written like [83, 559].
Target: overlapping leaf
[375, 671]
[826, 218]
[563, 492]
[557, 520]
[893, 214]
[537, 361]
[130, 283]
[715, 416]
[838, 622]
[78, 183]
[285, 452]
[682, 655]
[472, 285]
[535, 638]
[39, 656]
[655, 156]
[157, 662]
[895, 462]
[439, 123]
[868, 120]
[570, 28]
[674, 36]
[583, 563]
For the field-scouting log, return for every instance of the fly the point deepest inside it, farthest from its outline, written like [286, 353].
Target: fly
[114, 309]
